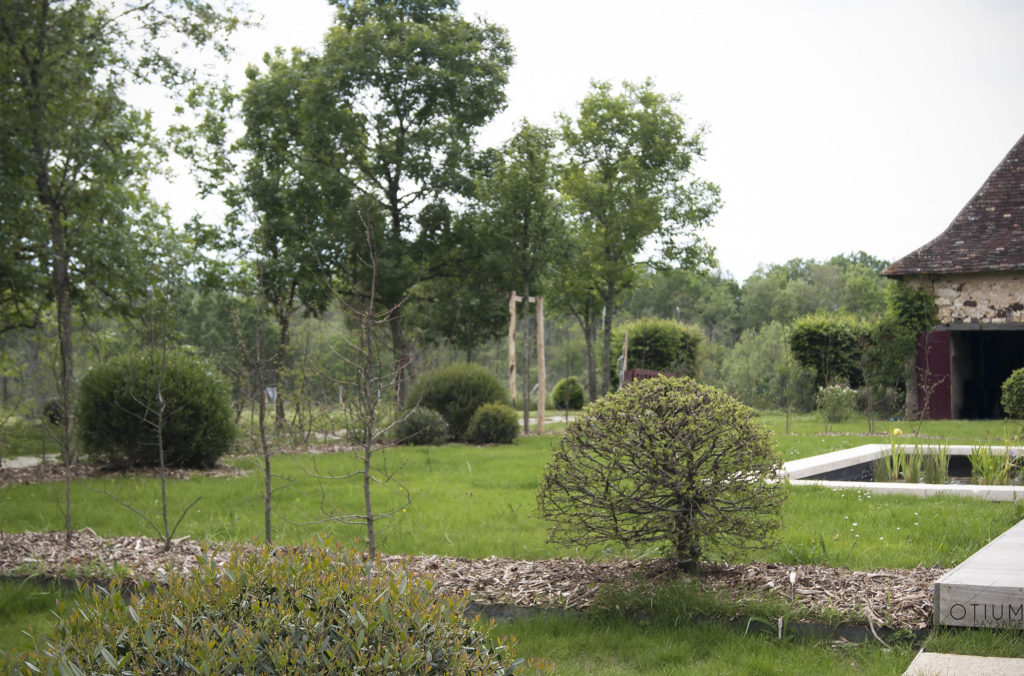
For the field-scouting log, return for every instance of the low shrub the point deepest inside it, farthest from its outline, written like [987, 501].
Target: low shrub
[1013, 395]
[456, 392]
[303, 610]
[665, 461]
[119, 404]
[837, 403]
[568, 394]
[421, 427]
[493, 424]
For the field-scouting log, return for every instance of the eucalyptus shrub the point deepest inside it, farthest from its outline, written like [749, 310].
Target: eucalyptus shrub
[456, 392]
[421, 427]
[837, 403]
[568, 393]
[493, 424]
[665, 461]
[303, 610]
[119, 412]
[1013, 395]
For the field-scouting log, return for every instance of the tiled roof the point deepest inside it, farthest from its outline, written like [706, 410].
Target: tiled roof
[987, 234]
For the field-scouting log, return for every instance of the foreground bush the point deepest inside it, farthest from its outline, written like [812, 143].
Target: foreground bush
[120, 405]
[421, 427]
[664, 461]
[493, 424]
[456, 392]
[1013, 395]
[568, 394]
[285, 611]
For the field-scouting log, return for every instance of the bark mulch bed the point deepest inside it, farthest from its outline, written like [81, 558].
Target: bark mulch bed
[50, 471]
[897, 598]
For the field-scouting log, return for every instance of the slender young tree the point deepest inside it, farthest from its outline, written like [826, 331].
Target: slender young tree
[630, 183]
[81, 155]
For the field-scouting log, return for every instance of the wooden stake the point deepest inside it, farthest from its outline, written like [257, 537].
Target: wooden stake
[541, 374]
[512, 298]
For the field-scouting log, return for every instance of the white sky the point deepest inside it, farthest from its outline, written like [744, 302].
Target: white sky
[832, 126]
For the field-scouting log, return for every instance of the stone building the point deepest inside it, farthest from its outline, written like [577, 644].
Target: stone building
[975, 269]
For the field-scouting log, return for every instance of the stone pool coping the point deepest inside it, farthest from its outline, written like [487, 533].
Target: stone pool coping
[799, 470]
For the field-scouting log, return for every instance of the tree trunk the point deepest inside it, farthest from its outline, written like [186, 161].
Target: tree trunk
[280, 360]
[526, 360]
[62, 297]
[402, 357]
[606, 346]
[590, 334]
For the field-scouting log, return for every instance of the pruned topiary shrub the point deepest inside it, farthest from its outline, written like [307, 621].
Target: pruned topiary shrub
[660, 345]
[456, 392]
[568, 394]
[305, 610]
[1013, 395]
[493, 424]
[421, 427]
[119, 412]
[665, 461]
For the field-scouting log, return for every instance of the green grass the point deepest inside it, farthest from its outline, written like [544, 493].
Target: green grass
[605, 644]
[987, 642]
[480, 501]
[28, 606]
[807, 435]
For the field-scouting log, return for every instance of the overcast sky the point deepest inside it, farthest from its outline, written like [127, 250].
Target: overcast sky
[832, 126]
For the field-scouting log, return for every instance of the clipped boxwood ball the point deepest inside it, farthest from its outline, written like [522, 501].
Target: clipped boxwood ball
[568, 393]
[493, 424]
[1013, 395]
[456, 392]
[421, 427]
[124, 403]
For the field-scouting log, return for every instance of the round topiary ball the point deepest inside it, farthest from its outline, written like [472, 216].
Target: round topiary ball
[568, 394]
[456, 392]
[131, 404]
[493, 424]
[1013, 395]
[665, 461]
[421, 427]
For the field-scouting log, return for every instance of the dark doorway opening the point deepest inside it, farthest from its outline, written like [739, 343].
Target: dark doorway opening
[981, 360]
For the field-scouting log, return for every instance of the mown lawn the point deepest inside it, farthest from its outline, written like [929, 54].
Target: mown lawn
[480, 501]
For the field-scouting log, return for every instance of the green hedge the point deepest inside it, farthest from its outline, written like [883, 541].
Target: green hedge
[119, 403]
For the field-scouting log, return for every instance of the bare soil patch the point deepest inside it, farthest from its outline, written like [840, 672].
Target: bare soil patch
[897, 598]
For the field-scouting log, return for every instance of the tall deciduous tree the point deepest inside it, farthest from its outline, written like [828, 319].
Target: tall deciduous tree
[630, 182]
[520, 218]
[77, 156]
[394, 103]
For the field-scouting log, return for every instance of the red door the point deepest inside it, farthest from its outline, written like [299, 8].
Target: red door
[934, 382]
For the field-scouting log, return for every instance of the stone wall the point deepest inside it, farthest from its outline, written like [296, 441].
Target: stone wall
[985, 298]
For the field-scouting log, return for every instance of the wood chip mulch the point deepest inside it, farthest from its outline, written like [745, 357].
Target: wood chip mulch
[49, 471]
[896, 598]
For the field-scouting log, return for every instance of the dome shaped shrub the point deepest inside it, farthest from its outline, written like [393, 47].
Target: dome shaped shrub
[493, 424]
[421, 427]
[456, 392]
[568, 393]
[1013, 395]
[119, 408]
[665, 461]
